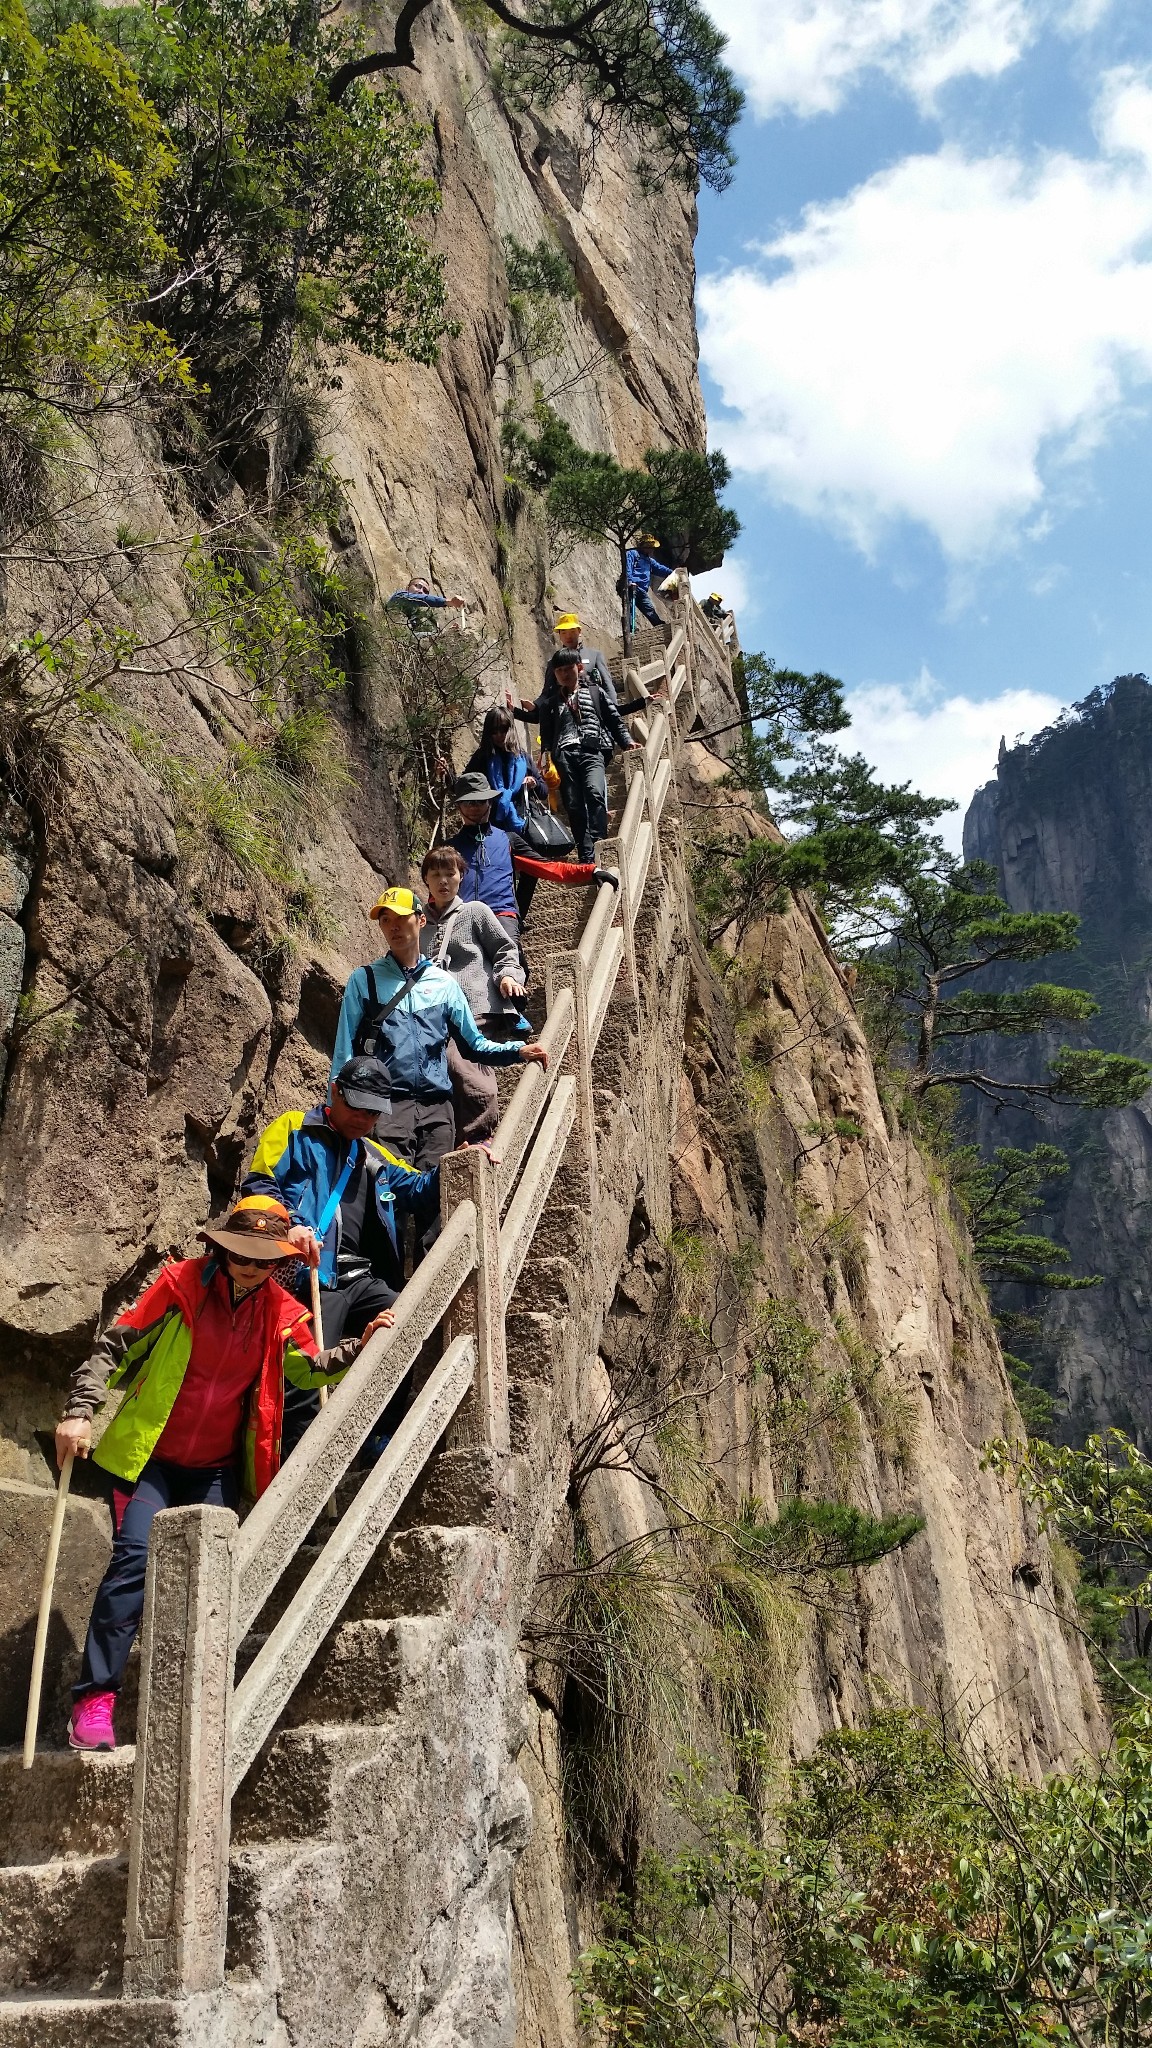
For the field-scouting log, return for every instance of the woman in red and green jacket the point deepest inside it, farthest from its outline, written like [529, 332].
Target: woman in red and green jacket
[203, 1357]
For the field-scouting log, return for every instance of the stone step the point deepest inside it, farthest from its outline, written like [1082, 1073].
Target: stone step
[356, 1676]
[62, 1923]
[239, 2012]
[94, 2022]
[68, 1804]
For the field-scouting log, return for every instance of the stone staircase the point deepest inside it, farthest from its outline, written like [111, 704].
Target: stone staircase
[360, 1863]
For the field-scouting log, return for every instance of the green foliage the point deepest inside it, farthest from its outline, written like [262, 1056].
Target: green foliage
[1099, 1500]
[543, 271]
[906, 1898]
[84, 169]
[541, 288]
[651, 69]
[274, 614]
[292, 219]
[947, 929]
[995, 1196]
[433, 682]
[855, 842]
[591, 497]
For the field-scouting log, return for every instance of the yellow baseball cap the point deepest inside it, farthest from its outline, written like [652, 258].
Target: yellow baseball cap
[404, 902]
[567, 623]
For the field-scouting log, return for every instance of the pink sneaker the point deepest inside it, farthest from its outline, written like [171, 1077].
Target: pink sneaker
[90, 1725]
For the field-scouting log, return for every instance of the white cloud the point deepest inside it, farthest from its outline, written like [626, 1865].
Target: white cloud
[734, 585]
[926, 347]
[804, 56]
[942, 745]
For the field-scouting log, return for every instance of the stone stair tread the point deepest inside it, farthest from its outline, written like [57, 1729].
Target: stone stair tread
[62, 1922]
[47, 2020]
[68, 1804]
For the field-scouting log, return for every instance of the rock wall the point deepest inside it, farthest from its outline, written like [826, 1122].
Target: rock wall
[1066, 823]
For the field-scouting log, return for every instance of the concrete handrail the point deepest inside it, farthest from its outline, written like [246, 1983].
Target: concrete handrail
[269, 1682]
[540, 1169]
[514, 1132]
[284, 1514]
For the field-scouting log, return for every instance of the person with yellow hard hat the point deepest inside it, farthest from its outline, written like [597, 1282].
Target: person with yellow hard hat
[402, 1009]
[570, 634]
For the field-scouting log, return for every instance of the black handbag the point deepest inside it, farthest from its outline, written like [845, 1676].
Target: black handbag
[547, 834]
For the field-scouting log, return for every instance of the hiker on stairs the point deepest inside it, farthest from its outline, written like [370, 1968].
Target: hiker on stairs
[500, 868]
[641, 567]
[348, 1199]
[498, 761]
[403, 1010]
[581, 731]
[204, 1356]
[479, 950]
[595, 669]
[570, 634]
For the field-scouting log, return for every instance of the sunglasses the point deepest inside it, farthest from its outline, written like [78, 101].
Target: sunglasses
[248, 1265]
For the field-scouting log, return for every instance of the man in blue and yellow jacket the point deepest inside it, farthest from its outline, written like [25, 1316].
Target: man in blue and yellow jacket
[347, 1197]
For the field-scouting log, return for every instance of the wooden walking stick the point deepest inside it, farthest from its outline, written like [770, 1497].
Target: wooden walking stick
[44, 1616]
[318, 1327]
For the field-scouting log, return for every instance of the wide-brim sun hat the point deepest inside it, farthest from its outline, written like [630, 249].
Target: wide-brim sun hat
[405, 903]
[474, 789]
[255, 1229]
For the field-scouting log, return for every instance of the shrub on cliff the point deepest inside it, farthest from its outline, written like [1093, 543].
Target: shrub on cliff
[293, 215]
[84, 164]
[908, 1896]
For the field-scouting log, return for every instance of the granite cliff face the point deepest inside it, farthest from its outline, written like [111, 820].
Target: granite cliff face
[1067, 823]
[161, 1028]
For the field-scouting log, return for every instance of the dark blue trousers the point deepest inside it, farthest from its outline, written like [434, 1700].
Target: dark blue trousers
[119, 1601]
[644, 604]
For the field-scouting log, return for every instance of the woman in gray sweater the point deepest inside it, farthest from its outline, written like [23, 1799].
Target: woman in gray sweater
[479, 950]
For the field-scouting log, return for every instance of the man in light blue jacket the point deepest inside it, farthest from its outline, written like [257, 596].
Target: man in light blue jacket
[402, 1009]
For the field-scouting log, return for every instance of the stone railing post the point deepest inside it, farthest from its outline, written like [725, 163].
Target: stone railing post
[479, 1307]
[568, 970]
[178, 1841]
[612, 853]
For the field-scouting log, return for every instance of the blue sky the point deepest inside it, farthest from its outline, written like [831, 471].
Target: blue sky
[926, 343]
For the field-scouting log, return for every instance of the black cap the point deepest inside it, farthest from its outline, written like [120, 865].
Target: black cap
[365, 1084]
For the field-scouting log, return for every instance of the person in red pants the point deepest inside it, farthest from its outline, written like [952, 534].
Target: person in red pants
[202, 1358]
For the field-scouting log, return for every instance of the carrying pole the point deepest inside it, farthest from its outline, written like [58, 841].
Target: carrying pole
[45, 1614]
[318, 1327]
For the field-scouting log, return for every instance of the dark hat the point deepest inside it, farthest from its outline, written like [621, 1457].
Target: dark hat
[474, 789]
[364, 1083]
[256, 1229]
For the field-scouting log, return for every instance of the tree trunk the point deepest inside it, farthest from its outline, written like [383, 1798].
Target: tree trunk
[927, 1032]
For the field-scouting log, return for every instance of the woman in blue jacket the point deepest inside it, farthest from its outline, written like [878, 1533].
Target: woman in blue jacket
[510, 773]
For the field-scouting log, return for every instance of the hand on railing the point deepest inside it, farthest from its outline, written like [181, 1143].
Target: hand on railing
[609, 875]
[534, 1055]
[383, 1321]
